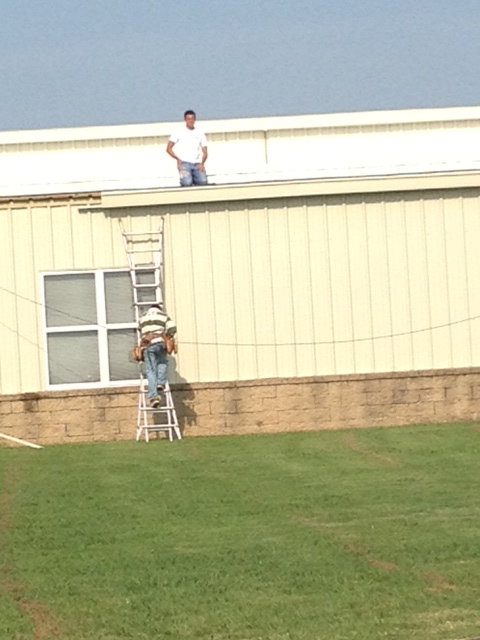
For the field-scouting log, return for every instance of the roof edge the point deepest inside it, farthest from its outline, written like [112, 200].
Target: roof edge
[286, 189]
[267, 123]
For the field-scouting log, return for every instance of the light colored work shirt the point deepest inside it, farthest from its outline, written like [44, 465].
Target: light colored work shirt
[189, 144]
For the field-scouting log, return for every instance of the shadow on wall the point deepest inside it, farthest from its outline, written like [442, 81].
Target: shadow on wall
[183, 397]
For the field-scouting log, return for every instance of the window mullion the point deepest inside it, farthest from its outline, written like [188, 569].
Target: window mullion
[102, 328]
[46, 372]
[72, 329]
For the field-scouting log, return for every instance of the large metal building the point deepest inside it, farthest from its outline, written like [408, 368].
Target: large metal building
[325, 245]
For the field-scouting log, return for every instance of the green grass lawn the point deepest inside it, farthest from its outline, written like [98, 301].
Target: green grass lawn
[366, 534]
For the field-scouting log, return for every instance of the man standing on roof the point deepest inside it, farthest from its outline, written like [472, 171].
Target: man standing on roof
[188, 146]
[153, 325]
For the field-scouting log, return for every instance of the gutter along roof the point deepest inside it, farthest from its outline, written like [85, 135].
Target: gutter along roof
[286, 189]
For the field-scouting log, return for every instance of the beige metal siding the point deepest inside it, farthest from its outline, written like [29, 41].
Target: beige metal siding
[288, 287]
[327, 285]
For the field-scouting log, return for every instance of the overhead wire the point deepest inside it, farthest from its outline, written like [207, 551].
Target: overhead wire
[295, 343]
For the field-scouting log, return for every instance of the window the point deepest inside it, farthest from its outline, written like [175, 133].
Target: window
[90, 327]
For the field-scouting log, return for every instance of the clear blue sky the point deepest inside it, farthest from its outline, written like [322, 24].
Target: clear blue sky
[71, 63]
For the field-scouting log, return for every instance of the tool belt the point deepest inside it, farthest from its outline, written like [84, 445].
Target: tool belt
[146, 341]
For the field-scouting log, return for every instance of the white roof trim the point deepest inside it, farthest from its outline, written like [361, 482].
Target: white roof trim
[355, 119]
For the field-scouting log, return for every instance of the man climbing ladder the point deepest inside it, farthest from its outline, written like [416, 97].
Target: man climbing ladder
[155, 327]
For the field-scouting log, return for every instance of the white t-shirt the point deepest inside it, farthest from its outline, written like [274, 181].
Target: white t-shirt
[188, 144]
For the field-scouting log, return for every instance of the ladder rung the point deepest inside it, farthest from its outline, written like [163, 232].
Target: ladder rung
[142, 304]
[140, 269]
[142, 251]
[129, 234]
[154, 285]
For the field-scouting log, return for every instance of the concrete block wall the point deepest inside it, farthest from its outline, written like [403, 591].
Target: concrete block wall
[248, 407]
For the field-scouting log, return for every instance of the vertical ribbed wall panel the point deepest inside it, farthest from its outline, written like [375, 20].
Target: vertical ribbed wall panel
[380, 288]
[263, 293]
[471, 218]
[360, 276]
[180, 290]
[460, 343]
[204, 295]
[419, 286]
[399, 283]
[27, 294]
[11, 340]
[339, 268]
[239, 261]
[437, 268]
[282, 290]
[324, 332]
[301, 303]
[223, 320]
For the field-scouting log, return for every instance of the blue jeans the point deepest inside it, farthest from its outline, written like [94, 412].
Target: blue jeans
[190, 174]
[155, 358]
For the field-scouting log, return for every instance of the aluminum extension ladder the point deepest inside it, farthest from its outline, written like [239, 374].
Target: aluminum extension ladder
[145, 263]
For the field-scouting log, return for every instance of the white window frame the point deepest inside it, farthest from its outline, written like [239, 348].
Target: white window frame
[101, 328]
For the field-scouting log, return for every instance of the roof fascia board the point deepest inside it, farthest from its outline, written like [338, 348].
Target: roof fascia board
[287, 189]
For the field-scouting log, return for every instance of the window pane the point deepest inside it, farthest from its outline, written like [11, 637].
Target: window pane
[120, 359]
[73, 357]
[119, 297]
[70, 300]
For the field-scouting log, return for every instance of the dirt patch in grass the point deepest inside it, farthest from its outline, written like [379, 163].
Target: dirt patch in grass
[438, 584]
[381, 564]
[350, 442]
[355, 547]
[361, 550]
[46, 625]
